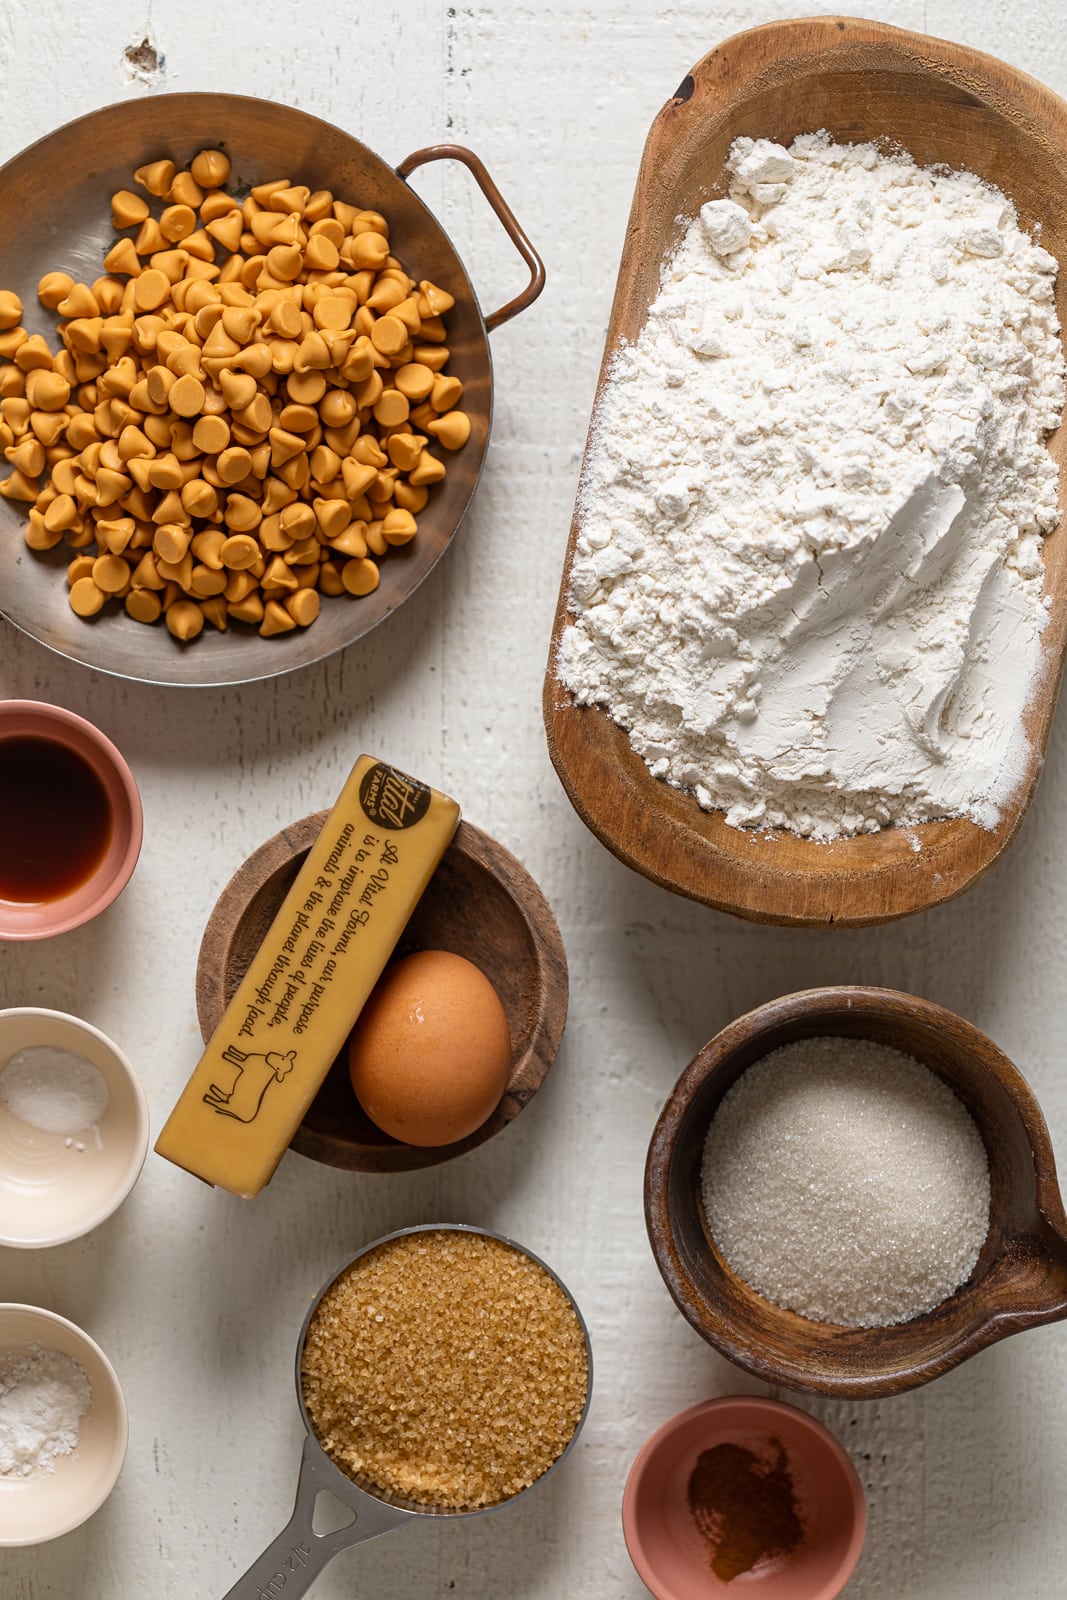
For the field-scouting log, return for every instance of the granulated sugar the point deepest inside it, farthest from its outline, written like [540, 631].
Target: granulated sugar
[843, 1180]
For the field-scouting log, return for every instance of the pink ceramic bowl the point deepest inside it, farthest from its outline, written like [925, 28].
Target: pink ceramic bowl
[40, 919]
[674, 1558]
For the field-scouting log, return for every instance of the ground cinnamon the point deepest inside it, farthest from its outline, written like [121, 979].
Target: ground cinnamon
[746, 1508]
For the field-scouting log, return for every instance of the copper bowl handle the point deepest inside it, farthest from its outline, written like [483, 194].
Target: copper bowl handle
[458, 152]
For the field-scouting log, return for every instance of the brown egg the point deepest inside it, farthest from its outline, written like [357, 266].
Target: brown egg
[430, 1054]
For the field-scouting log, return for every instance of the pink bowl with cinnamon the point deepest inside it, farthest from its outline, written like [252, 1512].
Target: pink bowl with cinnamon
[743, 1489]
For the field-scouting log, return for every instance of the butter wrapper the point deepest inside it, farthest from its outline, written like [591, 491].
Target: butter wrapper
[310, 978]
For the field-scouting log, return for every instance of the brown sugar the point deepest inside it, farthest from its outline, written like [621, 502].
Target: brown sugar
[445, 1367]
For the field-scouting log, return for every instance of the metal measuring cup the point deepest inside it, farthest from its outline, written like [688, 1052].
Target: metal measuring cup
[291, 1562]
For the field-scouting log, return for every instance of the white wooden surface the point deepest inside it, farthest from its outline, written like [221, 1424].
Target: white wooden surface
[197, 1296]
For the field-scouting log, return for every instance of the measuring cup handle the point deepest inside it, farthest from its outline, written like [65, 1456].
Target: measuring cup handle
[459, 152]
[291, 1562]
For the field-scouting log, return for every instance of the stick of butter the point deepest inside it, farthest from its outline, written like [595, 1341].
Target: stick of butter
[310, 978]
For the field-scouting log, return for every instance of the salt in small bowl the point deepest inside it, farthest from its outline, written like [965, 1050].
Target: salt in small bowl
[58, 1186]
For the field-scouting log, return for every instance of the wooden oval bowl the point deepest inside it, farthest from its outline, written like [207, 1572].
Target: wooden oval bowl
[1019, 1280]
[943, 103]
[480, 903]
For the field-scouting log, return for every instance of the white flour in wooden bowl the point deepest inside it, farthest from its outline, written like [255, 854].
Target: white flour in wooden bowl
[807, 579]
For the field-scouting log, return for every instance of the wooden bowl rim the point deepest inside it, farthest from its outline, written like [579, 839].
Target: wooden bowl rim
[676, 851]
[549, 970]
[833, 1002]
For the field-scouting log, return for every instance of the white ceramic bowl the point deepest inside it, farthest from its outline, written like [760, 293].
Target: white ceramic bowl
[48, 1503]
[53, 1186]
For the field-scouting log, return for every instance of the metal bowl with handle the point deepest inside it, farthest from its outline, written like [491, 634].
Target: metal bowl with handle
[65, 181]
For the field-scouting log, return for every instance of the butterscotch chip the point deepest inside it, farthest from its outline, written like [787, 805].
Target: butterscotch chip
[388, 335]
[199, 403]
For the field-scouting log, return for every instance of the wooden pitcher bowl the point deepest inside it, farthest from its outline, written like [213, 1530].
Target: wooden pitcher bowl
[943, 103]
[1019, 1280]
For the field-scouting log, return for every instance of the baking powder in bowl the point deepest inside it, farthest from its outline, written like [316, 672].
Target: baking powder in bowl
[43, 1396]
[807, 577]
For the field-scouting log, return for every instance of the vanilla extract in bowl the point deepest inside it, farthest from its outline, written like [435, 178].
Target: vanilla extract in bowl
[70, 820]
[55, 819]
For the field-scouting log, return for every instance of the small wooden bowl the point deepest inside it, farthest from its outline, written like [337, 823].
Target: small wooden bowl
[480, 903]
[1019, 1280]
[942, 102]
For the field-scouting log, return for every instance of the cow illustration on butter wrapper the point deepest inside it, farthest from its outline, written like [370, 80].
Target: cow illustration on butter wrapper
[253, 1075]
